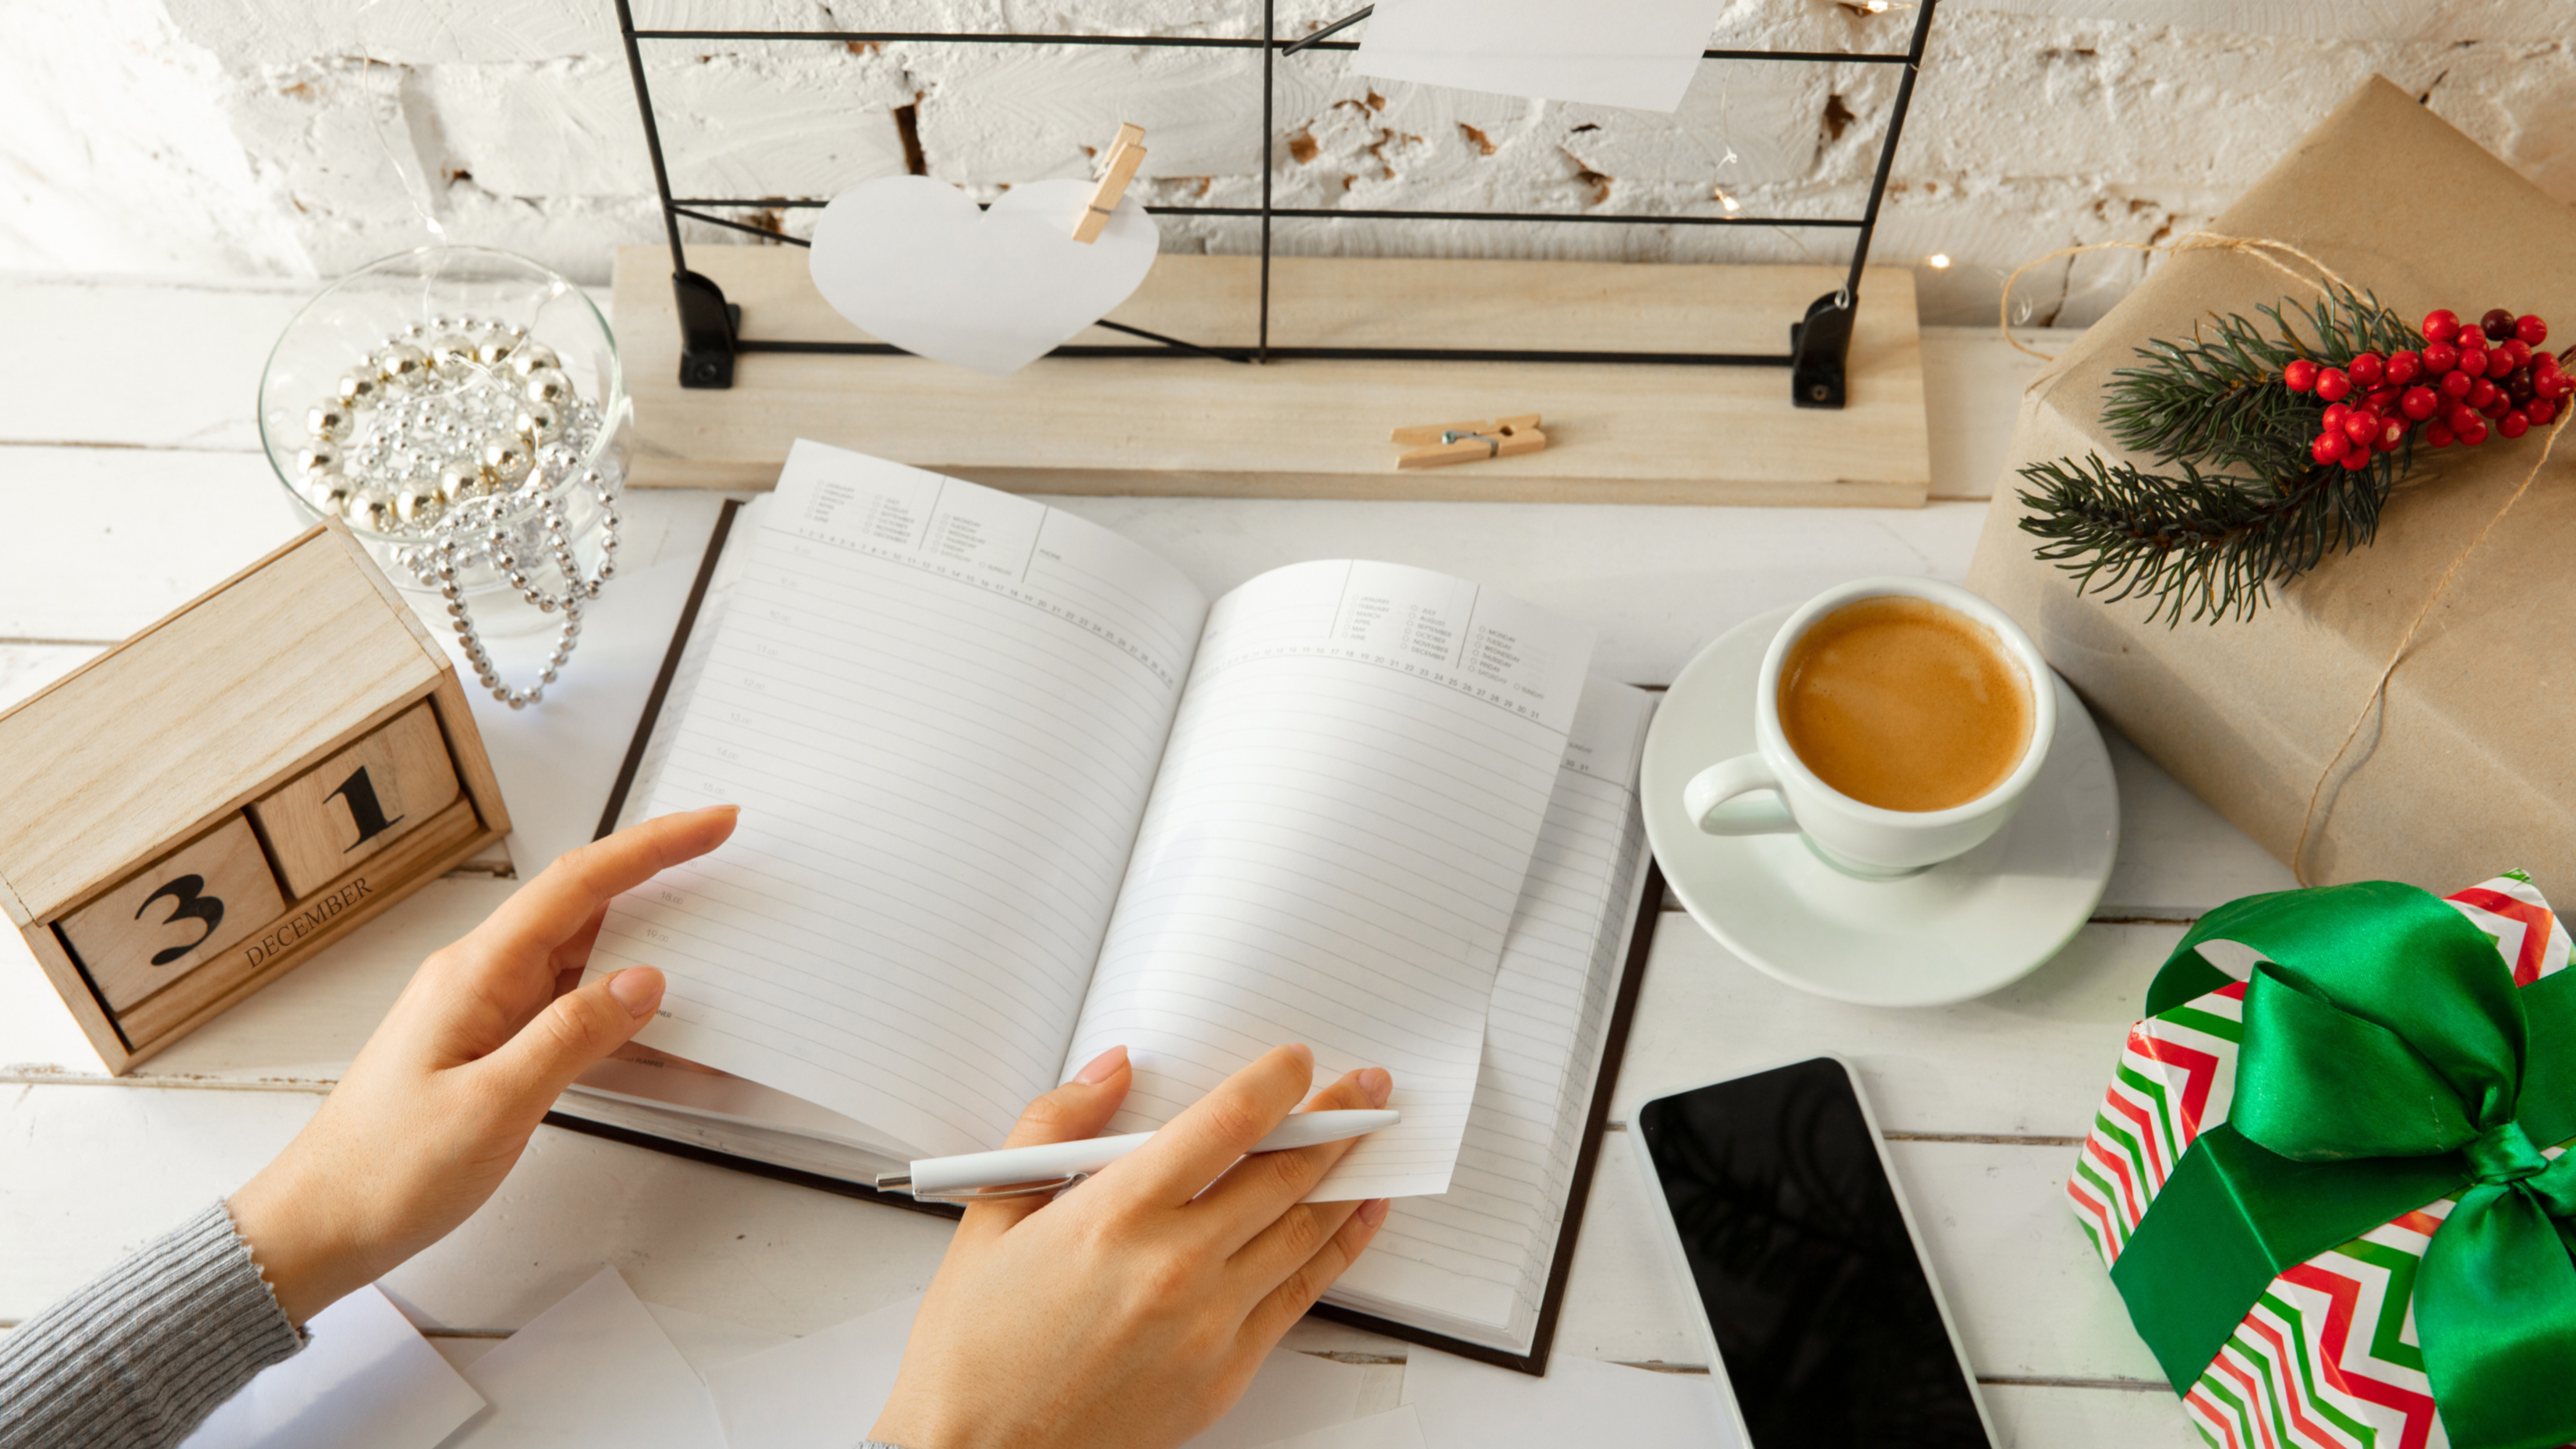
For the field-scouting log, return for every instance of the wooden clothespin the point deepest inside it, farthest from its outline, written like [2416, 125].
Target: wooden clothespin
[1125, 154]
[1470, 442]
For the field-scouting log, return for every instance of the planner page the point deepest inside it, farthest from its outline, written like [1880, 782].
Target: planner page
[940, 708]
[1478, 1255]
[1346, 810]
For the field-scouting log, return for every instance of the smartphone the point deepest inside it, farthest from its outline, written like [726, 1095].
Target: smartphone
[1774, 1193]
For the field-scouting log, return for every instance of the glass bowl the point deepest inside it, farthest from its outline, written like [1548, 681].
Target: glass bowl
[420, 364]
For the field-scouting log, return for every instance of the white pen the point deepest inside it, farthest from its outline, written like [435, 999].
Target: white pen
[1024, 1171]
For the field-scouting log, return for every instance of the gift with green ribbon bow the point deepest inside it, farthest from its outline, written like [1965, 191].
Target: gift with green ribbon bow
[2288, 1163]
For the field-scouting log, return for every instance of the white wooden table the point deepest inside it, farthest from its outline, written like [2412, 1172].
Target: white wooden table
[130, 480]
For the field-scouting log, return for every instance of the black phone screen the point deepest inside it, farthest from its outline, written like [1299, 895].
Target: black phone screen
[1821, 1309]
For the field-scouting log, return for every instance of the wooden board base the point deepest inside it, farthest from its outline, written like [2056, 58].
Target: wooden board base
[1315, 429]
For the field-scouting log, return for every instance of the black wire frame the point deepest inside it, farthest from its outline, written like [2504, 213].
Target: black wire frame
[711, 333]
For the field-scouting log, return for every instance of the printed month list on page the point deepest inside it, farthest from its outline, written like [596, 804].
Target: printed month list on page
[1013, 792]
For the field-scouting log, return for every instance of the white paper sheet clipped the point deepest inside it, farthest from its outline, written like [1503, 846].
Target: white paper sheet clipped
[366, 1377]
[911, 261]
[1468, 1405]
[1635, 53]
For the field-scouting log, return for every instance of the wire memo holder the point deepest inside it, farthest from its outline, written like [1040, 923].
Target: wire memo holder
[712, 334]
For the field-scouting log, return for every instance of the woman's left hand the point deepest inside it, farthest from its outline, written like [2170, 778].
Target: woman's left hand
[440, 1103]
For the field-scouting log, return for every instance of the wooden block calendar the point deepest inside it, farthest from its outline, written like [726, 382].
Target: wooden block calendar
[199, 810]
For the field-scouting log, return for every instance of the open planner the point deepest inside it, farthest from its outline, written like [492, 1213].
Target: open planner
[1016, 791]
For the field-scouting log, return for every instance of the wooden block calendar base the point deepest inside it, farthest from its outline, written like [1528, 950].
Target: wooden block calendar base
[1617, 433]
[206, 806]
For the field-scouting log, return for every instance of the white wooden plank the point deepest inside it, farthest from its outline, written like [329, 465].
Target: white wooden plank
[1972, 385]
[2177, 857]
[1625, 1300]
[151, 363]
[160, 364]
[102, 541]
[27, 668]
[2057, 1416]
[2030, 1060]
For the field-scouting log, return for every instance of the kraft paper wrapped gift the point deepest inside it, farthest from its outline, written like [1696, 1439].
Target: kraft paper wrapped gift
[2471, 758]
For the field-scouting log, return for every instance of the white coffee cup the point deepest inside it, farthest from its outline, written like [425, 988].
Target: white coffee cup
[1867, 840]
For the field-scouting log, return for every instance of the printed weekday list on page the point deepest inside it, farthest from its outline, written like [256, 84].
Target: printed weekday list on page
[1346, 811]
[1476, 1252]
[941, 709]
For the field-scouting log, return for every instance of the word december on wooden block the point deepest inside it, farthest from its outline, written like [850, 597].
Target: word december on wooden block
[197, 811]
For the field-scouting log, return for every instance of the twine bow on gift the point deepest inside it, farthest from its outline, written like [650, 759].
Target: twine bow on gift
[2388, 1060]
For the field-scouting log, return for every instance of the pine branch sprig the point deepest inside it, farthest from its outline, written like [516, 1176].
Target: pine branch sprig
[2209, 543]
[2251, 507]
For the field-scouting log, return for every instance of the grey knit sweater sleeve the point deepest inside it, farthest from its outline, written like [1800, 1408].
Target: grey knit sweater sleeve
[138, 1357]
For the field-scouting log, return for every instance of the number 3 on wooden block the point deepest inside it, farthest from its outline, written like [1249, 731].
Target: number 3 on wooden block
[357, 802]
[181, 912]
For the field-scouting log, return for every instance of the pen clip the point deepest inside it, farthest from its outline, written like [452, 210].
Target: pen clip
[902, 1182]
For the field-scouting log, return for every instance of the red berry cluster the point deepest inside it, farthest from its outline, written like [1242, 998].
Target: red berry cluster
[2469, 374]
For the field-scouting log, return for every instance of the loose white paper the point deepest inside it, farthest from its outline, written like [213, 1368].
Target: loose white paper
[825, 1390]
[1635, 53]
[1397, 1428]
[707, 1341]
[1468, 1405]
[911, 261]
[1293, 1394]
[367, 1377]
[558, 759]
[822, 1391]
[594, 1369]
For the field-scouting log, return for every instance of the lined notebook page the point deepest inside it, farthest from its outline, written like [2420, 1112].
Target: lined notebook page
[941, 709]
[1479, 1254]
[1344, 817]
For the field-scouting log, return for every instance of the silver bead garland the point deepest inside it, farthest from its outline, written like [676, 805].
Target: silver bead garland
[439, 432]
[439, 563]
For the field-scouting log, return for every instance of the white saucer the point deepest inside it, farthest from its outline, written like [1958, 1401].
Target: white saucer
[1961, 929]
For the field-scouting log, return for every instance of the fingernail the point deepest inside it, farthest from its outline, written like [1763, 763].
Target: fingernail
[1373, 1212]
[1377, 1084]
[1103, 1067]
[638, 989]
[711, 809]
[1305, 1051]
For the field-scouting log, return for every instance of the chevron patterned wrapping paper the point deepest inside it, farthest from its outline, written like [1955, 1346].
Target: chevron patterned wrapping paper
[2327, 1358]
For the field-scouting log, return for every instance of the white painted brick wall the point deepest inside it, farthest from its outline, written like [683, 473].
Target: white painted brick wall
[308, 136]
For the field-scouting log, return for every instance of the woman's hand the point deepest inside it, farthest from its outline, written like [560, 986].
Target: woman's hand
[439, 1104]
[1132, 1311]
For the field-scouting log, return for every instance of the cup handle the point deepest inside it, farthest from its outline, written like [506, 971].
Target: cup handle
[1706, 799]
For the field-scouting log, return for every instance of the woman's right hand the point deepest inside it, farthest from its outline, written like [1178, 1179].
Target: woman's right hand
[1132, 1312]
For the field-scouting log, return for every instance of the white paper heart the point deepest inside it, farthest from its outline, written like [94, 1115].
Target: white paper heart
[912, 261]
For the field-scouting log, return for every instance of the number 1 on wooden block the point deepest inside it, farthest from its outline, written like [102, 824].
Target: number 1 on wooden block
[357, 802]
[364, 812]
